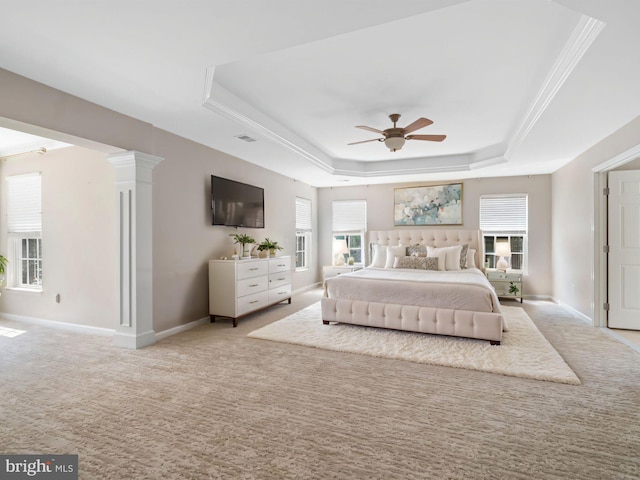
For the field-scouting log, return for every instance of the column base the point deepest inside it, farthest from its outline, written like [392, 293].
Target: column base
[127, 340]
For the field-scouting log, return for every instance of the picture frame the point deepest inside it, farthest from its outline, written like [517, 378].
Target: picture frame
[428, 205]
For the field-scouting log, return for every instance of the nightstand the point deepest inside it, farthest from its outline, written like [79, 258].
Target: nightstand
[332, 271]
[502, 282]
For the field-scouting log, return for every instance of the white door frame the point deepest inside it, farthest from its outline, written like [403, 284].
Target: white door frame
[600, 231]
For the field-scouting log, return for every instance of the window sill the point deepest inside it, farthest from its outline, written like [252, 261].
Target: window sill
[25, 290]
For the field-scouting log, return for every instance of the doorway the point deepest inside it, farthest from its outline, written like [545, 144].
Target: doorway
[614, 275]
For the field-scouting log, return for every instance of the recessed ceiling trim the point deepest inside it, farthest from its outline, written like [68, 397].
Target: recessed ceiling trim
[582, 37]
[217, 105]
[218, 100]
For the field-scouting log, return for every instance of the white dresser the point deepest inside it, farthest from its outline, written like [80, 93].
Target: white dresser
[239, 287]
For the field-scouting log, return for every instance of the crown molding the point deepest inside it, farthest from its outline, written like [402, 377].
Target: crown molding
[582, 37]
[218, 100]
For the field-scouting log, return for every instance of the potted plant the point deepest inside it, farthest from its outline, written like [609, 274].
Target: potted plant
[513, 289]
[269, 246]
[243, 239]
[3, 265]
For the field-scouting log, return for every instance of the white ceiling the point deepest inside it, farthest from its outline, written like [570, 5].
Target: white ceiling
[518, 87]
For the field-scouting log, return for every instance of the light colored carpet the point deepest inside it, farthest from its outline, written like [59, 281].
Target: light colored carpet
[210, 403]
[524, 352]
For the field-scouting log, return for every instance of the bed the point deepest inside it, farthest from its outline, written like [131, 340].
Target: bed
[421, 281]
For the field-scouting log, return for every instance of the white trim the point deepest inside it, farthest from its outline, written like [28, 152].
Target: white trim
[582, 37]
[181, 328]
[132, 341]
[620, 338]
[74, 327]
[599, 227]
[618, 160]
[302, 290]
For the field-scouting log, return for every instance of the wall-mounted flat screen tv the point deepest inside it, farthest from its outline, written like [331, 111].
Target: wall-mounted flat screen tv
[236, 204]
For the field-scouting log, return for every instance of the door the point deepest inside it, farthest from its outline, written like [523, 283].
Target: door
[624, 250]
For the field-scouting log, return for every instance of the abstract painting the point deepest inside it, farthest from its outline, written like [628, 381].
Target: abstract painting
[432, 205]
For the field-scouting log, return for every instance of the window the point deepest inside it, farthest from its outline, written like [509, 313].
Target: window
[503, 218]
[349, 226]
[303, 233]
[24, 223]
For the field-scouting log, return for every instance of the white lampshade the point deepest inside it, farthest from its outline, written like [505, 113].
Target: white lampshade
[394, 143]
[503, 250]
[339, 249]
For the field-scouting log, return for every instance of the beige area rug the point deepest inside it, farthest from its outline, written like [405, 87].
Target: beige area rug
[524, 351]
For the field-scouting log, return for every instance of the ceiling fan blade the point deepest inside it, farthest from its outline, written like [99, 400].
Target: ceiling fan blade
[418, 124]
[431, 138]
[374, 130]
[365, 141]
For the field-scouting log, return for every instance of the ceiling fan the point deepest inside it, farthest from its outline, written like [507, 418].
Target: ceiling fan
[395, 137]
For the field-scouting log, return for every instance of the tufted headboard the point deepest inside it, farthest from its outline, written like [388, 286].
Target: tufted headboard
[432, 237]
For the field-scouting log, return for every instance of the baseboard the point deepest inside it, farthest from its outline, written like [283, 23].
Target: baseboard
[60, 325]
[544, 298]
[302, 290]
[181, 328]
[620, 338]
[127, 340]
[577, 313]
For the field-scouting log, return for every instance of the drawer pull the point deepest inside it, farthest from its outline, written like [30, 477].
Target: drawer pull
[282, 264]
[254, 285]
[282, 293]
[254, 268]
[281, 278]
[253, 301]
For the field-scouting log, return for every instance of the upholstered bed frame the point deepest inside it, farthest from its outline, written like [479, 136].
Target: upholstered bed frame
[441, 321]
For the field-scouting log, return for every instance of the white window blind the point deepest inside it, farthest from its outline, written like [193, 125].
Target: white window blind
[505, 214]
[303, 215]
[24, 210]
[349, 215]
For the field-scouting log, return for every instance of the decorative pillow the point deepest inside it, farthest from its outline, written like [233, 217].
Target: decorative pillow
[449, 256]
[415, 262]
[463, 256]
[432, 263]
[417, 250]
[379, 255]
[440, 256]
[471, 258]
[392, 253]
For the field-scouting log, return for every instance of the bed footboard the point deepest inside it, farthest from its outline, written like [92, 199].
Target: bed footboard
[439, 321]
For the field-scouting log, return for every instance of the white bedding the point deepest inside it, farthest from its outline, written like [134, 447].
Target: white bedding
[460, 290]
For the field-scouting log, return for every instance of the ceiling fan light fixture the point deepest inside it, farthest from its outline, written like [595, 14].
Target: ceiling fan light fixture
[394, 143]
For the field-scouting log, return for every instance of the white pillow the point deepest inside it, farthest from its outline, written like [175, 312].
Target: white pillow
[379, 256]
[471, 258]
[441, 256]
[451, 256]
[392, 253]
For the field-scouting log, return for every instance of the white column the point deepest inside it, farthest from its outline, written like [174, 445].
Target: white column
[135, 253]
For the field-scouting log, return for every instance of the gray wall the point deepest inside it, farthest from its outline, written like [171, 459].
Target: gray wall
[380, 216]
[572, 243]
[78, 231]
[183, 237]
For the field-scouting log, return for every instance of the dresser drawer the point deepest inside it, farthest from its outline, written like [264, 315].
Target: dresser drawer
[279, 278]
[253, 302]
[279, 264]
[251, 269]
[280, 293]
[249, 286]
